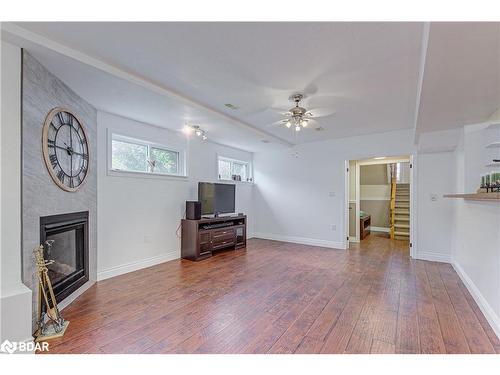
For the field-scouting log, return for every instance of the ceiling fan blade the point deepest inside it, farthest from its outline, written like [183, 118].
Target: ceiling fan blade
[320, 112]
[281, 122]
[325, 101]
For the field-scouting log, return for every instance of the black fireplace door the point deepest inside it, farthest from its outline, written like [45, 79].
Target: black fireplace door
[65, 242]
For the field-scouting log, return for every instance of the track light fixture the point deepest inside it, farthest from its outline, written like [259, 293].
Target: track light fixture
[196, 130]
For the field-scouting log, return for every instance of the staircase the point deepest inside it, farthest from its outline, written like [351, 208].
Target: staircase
[400, 218]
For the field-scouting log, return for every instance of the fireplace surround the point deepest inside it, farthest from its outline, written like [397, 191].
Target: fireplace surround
[65, 240]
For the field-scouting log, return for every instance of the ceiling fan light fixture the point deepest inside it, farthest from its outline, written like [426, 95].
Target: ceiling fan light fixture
[296, 116]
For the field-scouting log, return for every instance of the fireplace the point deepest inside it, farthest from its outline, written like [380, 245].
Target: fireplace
[65, 240]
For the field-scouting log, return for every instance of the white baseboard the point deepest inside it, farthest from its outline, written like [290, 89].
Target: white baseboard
[380, 229]
[484, 306]
[301, 240]
[433, 257]
[137, 265]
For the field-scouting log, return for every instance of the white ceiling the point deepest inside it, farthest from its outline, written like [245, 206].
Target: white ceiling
[462, 75]
[119, 96]
[366, 74]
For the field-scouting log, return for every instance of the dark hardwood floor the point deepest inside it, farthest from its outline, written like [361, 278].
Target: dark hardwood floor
[277, 297]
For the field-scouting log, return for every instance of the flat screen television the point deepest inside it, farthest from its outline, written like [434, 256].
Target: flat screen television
[216, 198]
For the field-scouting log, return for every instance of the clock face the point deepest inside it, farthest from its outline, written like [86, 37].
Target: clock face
[65, 149]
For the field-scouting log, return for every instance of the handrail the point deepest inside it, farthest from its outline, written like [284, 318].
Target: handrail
[393, 201]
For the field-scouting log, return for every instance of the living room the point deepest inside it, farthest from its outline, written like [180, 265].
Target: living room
[184, 196]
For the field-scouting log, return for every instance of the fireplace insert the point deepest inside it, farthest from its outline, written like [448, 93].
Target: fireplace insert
[66, 241]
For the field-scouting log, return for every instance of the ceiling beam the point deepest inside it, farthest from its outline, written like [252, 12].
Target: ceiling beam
[420, 83]
[19, 36]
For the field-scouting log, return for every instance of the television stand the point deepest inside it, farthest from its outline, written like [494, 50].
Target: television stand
[200, 238]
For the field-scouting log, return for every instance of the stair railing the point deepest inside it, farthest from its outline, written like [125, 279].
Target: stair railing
[393, 201]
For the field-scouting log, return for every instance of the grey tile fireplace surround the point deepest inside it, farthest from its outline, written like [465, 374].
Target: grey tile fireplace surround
[42, 91]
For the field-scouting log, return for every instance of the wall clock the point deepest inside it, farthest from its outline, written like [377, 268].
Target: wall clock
[65, 149]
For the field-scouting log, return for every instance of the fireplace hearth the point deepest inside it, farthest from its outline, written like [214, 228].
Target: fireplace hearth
[66, 241]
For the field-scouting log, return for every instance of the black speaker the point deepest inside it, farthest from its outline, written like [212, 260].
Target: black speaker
[193, 210]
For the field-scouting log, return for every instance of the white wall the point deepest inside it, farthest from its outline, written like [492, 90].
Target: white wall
[138, 215]
[300, 192]
[15, 297]
[476, 229]
[435, 177]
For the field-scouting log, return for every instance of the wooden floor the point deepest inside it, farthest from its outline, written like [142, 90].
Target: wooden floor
[277, 297]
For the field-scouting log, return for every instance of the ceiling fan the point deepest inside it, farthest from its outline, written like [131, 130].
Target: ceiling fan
[297, 117]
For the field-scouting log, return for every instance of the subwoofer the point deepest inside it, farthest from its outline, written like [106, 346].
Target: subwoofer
[193, 210]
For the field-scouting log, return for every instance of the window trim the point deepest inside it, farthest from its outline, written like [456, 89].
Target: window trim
[233, 160]
[182, 158]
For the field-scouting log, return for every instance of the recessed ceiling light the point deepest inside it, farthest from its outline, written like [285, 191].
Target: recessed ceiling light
[379, 158]
[319, 129]
[231, 106]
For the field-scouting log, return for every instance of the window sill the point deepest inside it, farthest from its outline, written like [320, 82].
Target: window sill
[137, 174]
[236, 182]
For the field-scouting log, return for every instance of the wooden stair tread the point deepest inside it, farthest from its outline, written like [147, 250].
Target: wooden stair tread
[400, 215]
[405, 226]
[402, 218]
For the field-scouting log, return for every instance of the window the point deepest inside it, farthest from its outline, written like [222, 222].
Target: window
[235, 170]
[128, 156]
[132, 155]
[166, 161]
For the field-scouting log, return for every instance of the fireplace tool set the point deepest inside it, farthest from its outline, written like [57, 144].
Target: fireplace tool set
[50, 323]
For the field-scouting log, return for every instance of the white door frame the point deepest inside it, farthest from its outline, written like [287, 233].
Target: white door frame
[413, 208]
[413, 196]
[346, 203]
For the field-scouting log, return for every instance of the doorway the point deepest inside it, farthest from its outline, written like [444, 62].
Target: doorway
[379, 198]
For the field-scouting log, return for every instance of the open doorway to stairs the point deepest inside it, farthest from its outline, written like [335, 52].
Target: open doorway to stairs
[379, 199]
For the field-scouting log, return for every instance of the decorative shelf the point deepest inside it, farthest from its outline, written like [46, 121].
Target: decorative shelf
[476, 196]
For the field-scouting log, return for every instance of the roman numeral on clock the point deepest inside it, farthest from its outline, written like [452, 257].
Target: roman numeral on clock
[71, 184]
[51, 142]
[60, 176]
[53, 160]
[61, 117]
